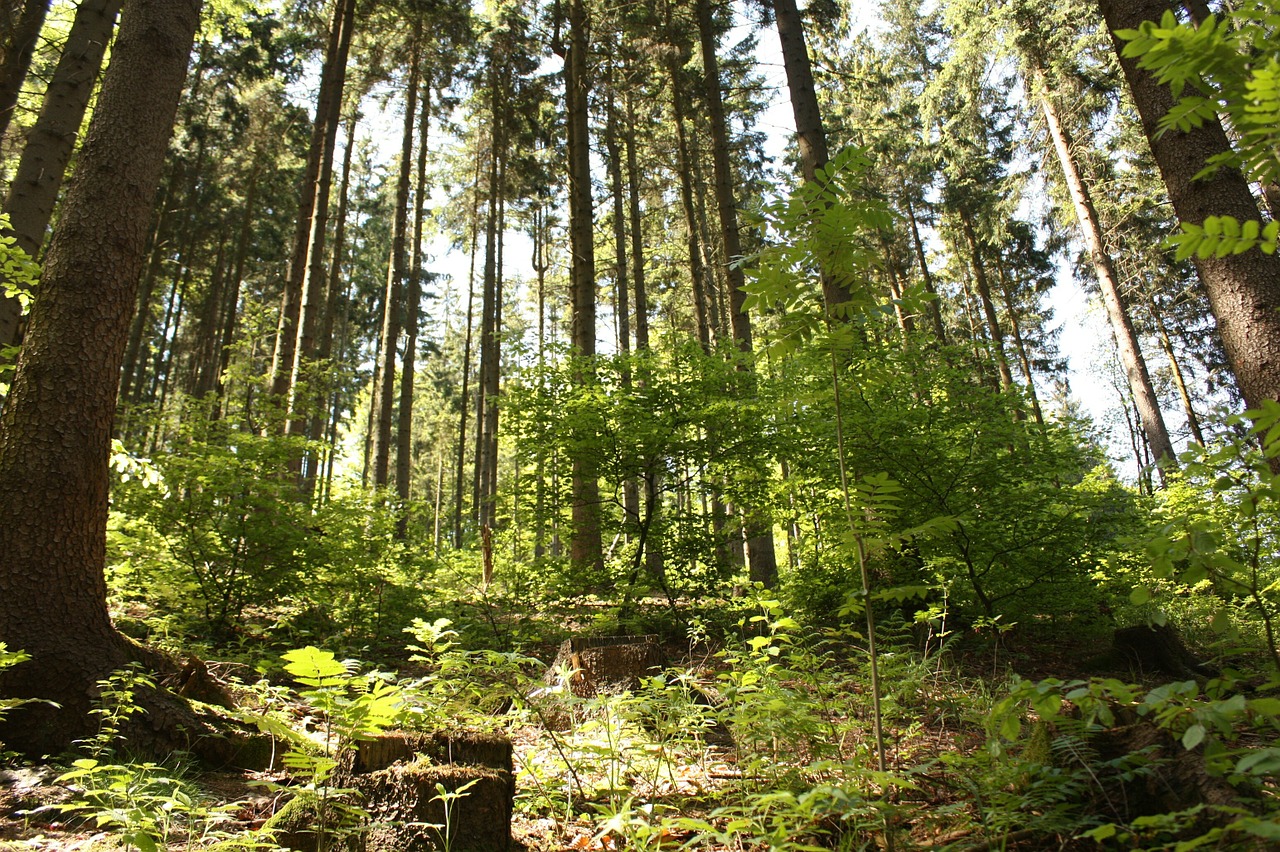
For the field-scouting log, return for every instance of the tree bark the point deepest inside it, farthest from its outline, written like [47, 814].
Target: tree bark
[55, 433]
[53, 137]
[761, 553]
[332, 78]
[314, 296]
[586, 547]
[404, 427]
[394, 296]
[1135, 365]
[1243, 289]
[810, 135]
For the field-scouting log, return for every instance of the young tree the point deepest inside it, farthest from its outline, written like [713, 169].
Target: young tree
[55, 433]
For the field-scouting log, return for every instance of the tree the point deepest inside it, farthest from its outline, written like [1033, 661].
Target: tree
[51, 141]
[1244, 288]
[55, 433]
[18, 46]
[586, 548]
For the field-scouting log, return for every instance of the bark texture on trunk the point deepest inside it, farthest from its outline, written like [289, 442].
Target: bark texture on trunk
[53, 137]
[1243, 289]
[56, 431]
[332, 79]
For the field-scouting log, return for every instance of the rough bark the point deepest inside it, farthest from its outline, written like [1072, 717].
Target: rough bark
[55, 433]
[810, 135]
[1243, 289]
[53, 137]
[313, 297]
[404, 428]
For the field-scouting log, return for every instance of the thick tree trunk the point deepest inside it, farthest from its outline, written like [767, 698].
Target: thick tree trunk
[56, 431]
[394, 296]
[1243, 289]
[50, 143]
[586, 549]
[1135, 366]
[761, 553]
[19, 46]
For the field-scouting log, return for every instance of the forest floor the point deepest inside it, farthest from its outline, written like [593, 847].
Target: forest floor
[929, 737]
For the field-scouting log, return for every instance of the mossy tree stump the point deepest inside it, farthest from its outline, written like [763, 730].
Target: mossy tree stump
[607, 664]
[419, 791]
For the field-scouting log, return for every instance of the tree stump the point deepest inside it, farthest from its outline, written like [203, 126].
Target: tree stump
[607, 664]
[423, 806]
[395, 776]
[1157, 650]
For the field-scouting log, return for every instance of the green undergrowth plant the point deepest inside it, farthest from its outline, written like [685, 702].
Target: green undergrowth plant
[350, 706]
[148, 805]
[1232, 734]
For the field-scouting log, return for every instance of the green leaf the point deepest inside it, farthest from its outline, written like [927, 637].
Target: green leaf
[314, 666]
[1140, 595]
[1193, 736]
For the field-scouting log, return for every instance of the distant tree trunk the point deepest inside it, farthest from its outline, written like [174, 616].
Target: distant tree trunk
[232, 304]
[404, 428]
[637, 230]
[55, 433]
[486, 444]
[464, 410]
[684, 163]
[1024, 358]
[934, 308]
[313, 296]
[1243, 289]
[19, 46]
[587, 549]
[984, 296]
[761, 552]
[332, 79]
[810, 135]
[1135, 365]
[49, 145]
[394, 297]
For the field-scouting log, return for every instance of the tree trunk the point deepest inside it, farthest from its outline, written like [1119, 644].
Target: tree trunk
[1135, 366]
[53, 137]
[19, 46]
[1243, 289]
[55, 434]
[391, 305]
[934, 308]
[404, 428]
[684, 162]
[984, 296]
[332, 78]
[810, 135]
[586, 548]
[314, 297]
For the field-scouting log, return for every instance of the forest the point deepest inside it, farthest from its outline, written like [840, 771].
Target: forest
[483, 426]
